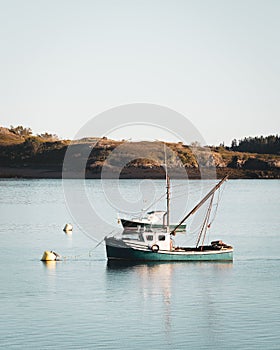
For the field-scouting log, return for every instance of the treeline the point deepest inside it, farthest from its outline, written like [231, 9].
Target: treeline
[28, 133]
[263, 145]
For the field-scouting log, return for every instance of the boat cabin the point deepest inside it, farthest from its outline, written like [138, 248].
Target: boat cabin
[157, 240]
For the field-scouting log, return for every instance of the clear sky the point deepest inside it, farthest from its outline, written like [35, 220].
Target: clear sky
[215, 61]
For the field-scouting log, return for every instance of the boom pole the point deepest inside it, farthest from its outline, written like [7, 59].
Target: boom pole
[209, 194]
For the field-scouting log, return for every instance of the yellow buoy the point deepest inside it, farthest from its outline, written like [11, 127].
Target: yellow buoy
[49, 255]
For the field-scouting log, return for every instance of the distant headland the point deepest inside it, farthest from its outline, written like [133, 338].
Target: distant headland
[24, 155]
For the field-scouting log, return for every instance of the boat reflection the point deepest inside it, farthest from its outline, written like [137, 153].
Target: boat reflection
[156, 282]
[125, 264]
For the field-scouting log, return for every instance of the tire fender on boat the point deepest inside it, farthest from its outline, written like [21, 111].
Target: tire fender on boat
[155, 248]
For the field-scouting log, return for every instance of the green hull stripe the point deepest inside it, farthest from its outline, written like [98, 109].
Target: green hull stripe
[133, 254]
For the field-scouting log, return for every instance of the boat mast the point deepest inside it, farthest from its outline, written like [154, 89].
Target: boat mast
[168, 203]
[209, 194]
[167, 179]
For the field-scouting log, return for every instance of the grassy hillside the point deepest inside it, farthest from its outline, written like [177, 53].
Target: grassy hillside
[43, 155]
[9, 138]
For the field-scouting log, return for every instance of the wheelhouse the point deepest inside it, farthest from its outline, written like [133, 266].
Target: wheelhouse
[157, 240]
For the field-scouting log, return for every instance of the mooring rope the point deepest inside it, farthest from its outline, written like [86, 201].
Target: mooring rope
[89, 254]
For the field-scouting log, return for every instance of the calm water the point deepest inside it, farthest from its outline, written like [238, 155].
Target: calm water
[82, 303]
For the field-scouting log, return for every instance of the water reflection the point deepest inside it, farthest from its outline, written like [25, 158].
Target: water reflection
[50, 265]
[153, 282]
[156, 288]
[130, 265]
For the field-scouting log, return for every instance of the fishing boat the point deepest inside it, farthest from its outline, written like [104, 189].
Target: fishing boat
[158, 245]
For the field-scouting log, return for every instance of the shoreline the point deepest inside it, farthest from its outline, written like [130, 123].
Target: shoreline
[36, 158]
[134, 173]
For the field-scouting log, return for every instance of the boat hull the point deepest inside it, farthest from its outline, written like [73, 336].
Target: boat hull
[119, 250]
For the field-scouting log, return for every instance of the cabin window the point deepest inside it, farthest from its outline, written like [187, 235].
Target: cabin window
[149, 237]
[161, 237]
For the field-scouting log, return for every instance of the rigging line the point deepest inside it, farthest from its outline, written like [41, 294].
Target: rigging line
[203, 226]
[187, 189]
[190, 192]
[146, 209]
[179, 185]
[215, 210]
[98, 244]
[220, 194]
[191, 189]
[207, 221]
[199, 204]
[157, 200]
[174, 196]
[179, 196]
[187, 193]
[72, 257]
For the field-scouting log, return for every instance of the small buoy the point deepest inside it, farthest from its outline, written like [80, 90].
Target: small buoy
[68, 228]
[49, 255]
